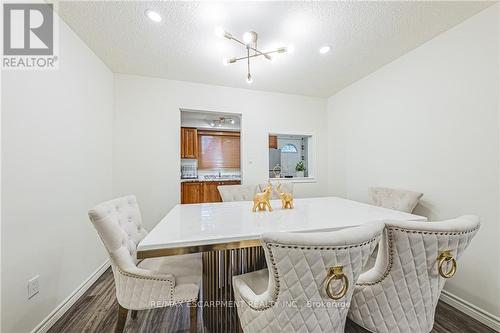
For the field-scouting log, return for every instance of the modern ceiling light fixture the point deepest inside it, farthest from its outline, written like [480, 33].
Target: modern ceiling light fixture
[250, 43]
[221, 121]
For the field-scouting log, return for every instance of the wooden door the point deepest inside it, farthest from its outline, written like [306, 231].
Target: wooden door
[218, 150]
[189, 142]
[191, 192]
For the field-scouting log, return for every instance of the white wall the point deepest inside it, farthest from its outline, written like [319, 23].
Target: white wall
[56, 164]
[146, 135]
[429, 122]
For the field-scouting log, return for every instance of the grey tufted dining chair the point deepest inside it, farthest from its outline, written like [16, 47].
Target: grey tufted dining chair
[400, 293]
[402, 200]
[146, 284]
[237, 192]
[309, 281]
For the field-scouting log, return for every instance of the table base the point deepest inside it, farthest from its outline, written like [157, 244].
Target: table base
[219, 267]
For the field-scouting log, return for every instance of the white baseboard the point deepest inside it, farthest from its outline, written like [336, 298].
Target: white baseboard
[471, 310]
[61, 309]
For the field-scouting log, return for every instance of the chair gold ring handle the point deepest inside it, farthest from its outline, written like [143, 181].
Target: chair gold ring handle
[446, 257]
[336, 273]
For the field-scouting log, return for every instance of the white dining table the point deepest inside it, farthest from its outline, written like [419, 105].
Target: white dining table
[195, 227]
[228, 236]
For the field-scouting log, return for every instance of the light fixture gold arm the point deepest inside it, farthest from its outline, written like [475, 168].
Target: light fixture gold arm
[249, 76]
[231, 37]
[256, 55]
[250, 47]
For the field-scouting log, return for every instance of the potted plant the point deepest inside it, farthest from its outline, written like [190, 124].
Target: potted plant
[300, 168]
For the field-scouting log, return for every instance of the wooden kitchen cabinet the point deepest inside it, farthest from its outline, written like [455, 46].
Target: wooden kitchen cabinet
[210, 191]
[189, 142]
[191, 192]
[202, 192]
[273, 141]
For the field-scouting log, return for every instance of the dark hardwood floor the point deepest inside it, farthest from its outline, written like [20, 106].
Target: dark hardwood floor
[97, 309]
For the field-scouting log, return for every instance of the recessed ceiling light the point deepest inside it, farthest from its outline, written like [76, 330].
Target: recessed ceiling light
[152, 15]
[324, 49]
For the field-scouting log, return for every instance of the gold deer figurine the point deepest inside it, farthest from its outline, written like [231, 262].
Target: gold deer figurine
[286, 198]
[261, 200]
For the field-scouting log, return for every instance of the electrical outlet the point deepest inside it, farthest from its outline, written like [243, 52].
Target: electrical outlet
[33, 286]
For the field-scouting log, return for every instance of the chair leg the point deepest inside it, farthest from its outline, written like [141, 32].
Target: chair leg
[193, 314]
[122, 319]
[133, 314]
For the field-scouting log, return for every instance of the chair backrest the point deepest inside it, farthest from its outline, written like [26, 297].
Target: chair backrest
[285, 187]
[237, 192]
[406, 280]
[119, 224]
[401, 200]
[299, 265]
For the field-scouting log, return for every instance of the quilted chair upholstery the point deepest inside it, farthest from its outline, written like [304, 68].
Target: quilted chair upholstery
[237, 192]
[285, 187]
[401, 200]
[289, 295]
[401, 292]
[151, 283]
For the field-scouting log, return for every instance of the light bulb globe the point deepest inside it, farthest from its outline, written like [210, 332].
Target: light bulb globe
[247, 37]
[219, 32]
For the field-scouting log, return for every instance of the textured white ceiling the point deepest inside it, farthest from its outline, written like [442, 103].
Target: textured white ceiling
[363, 35]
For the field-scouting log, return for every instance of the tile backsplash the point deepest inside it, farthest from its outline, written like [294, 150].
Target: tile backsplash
[189, 169]
[223, 172]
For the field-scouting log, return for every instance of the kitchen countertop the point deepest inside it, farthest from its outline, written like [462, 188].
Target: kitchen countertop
[223, 179]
